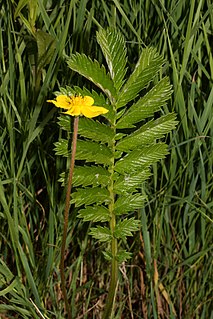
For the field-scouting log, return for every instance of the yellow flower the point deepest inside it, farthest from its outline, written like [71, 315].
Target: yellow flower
[78, 105]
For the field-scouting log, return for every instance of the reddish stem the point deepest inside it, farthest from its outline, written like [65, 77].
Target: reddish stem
[66, 215]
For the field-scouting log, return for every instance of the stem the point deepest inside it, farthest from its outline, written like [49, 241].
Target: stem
[113, 284]
[66, 214]
[114, 246]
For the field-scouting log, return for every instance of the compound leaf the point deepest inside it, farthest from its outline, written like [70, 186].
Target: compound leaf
[123, 158]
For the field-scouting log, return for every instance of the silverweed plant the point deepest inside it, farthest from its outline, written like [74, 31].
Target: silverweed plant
[112, 156]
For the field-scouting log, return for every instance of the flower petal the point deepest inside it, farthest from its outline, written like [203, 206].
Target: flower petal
[74, 111]
[93, 111]
[62, 101]
[78, 105]
[88, 100]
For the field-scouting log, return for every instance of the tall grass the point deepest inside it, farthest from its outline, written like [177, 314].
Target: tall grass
[170, 275]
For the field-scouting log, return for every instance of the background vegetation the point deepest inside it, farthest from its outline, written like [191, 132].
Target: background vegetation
[170, 275]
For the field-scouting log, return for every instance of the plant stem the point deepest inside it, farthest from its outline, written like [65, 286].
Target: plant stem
[114, 246]
[66, 214]
[113, 284]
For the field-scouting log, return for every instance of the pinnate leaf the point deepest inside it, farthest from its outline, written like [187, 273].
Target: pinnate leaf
[129, 153]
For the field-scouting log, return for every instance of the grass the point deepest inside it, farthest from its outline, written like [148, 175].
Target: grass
[170, 275]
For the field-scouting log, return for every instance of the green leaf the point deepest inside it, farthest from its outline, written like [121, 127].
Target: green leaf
[107, 255]
[95, 130]
[120, 114]
[93, 152]
[114, 49]
[126, 227]
[21, 4]
[148, 133]
[129, 182]
[93, 72]
[65, 122]
[128, 203]
[46, 48]
[147, 67]
[94, 214]
[88, 196]
[123, 255]
[141, 158]
[90, 175]
[101, 233]
[61, 148]
[147, 105]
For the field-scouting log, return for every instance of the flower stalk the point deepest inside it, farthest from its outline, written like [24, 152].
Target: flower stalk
[66, 215]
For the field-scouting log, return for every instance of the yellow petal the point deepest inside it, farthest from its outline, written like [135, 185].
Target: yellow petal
[93, 111]
[62, 101]
[77, 105]
[88, 100]
[74, 111]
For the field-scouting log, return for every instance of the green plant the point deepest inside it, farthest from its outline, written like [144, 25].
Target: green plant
[171, 267]
[115, 155]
